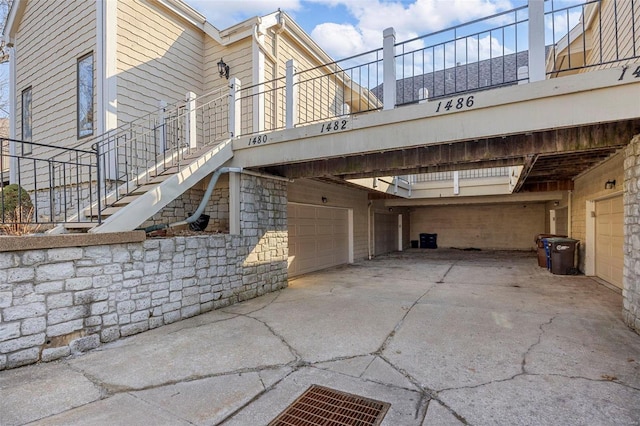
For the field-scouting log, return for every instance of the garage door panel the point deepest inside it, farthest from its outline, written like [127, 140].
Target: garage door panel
[319, 237]
[609, 240]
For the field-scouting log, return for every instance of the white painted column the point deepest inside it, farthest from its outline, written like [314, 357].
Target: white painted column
[107, 77]
[389, 68]
[258, 81]
[399, 232]
[292, 95]
[536, 41]
[190, 117]
[590, 238]
[234, 203]
[456, 183]
[13, 115]
[235, 108]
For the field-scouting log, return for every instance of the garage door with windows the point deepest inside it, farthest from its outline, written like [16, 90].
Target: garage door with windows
[609, 240]
[318, 237]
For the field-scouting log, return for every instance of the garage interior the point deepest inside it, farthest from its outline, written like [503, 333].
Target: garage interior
[334, 219]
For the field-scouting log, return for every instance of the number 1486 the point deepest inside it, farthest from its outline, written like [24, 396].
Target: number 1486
[456, 103]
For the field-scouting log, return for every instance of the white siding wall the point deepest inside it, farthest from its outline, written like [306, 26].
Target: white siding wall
[51, 37]
[160, 57]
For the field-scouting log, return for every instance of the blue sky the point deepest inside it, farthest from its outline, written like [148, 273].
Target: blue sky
[346, 27]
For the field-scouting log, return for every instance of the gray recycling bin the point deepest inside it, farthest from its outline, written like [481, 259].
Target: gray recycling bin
[563, 252]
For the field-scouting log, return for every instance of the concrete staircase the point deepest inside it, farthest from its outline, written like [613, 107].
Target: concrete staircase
[133, 203]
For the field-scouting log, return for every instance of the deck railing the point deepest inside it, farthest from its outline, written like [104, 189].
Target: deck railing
[60, 183]
[525, 44]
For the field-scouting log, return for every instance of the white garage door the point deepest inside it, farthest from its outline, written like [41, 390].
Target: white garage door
[318, 238]
[609, 240]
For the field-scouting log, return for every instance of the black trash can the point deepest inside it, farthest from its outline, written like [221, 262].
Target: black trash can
[429, 241]
[563, 252]
[542, 252]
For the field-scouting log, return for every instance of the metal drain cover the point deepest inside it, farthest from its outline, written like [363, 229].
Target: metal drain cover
[329, 407]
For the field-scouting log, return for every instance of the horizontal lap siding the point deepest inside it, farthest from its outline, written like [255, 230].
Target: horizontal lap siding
[604, 30]
[319, 99]
[590, 186]
[239, 58]
[52, 35]
[160, 57]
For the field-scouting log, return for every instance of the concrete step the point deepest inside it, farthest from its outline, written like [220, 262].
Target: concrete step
[79, 227]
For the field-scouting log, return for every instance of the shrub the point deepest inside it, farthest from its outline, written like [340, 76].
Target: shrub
[15, 204]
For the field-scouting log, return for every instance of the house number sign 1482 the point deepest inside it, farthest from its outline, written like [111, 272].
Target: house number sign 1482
[334, 126]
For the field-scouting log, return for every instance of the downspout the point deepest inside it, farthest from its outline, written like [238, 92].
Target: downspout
[203, 202]
[207, 195]
[369, 228]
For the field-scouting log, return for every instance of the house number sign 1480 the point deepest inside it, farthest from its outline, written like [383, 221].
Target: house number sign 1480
[257, 140]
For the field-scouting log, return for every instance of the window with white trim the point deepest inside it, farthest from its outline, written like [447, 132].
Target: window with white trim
[85, 95]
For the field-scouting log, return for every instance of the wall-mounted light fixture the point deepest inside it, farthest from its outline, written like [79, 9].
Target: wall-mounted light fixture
[223, 69]
[610, 184]
[324, 200]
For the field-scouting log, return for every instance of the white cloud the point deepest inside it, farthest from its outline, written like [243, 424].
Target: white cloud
[409, 21]
[339, 39]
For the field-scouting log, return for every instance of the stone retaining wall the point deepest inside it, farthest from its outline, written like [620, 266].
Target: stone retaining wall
[63, 300]
[631, 283]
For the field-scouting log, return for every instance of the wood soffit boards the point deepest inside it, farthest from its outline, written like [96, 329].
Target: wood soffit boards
[560, 155]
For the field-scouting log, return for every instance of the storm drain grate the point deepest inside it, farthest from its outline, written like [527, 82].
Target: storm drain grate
[328, 407]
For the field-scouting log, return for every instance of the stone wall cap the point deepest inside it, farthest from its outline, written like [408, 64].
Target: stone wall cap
[38, 242]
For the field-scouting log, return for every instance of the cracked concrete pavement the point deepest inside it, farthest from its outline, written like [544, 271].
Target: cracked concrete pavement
[446, 337]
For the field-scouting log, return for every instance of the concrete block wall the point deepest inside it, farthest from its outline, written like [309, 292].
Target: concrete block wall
[59, 301]
[497, 226]
[631, 281]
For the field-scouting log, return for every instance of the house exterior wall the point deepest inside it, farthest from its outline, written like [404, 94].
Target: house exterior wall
[612, 26]
[311, 192]
[159, 57]
[588, 187]
[50, 39]
[495, 226]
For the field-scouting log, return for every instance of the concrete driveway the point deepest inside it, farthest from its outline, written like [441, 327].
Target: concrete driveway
[446, 337]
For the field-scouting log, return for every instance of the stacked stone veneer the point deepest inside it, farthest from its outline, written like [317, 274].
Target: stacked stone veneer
[184, 206]
[631, 284]
[59, 301]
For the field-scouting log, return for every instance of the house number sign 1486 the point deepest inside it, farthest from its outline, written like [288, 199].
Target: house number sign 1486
[455, 103]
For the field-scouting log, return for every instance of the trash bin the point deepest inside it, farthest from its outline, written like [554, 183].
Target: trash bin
[563, 252]
[429, 241]
[542, 252]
